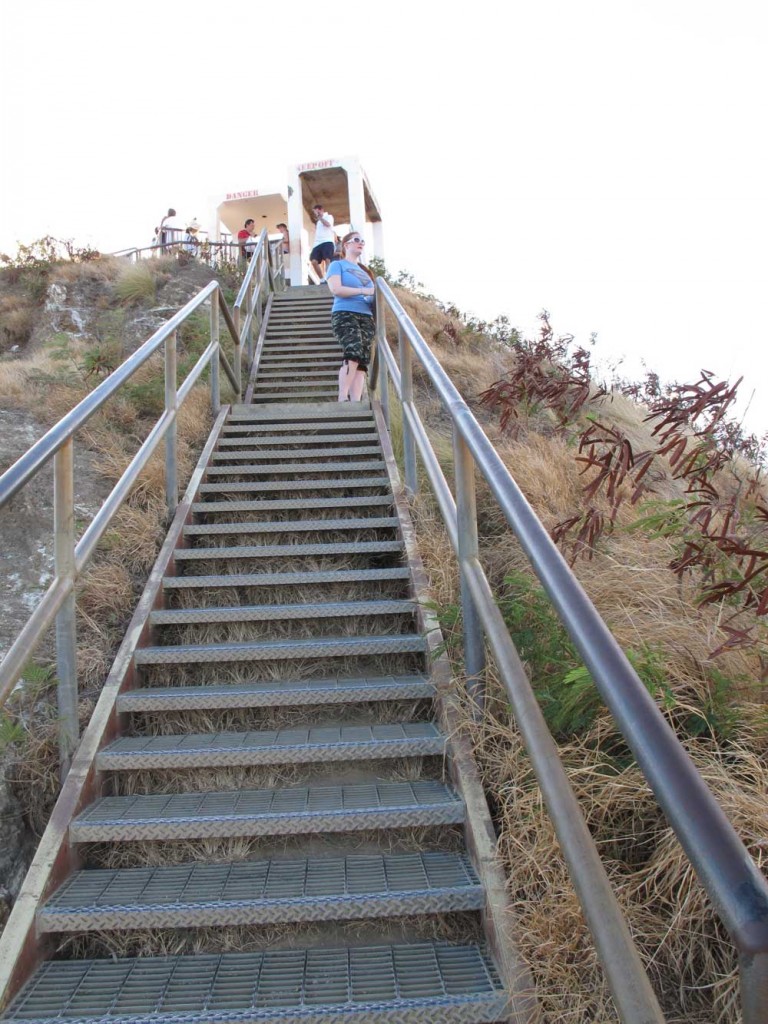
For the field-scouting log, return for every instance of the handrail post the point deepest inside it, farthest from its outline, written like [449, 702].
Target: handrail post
[383, 374]
[66, 622]
[171, 464]
[753, 971]
[406, 387]
[215, 376]
[249, 317]
[466, 523]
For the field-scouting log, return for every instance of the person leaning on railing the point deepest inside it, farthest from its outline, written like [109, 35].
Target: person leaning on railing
[352, 285]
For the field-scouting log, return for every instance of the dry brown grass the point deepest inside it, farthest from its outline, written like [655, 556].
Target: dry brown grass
[108, 589]
[689, 957]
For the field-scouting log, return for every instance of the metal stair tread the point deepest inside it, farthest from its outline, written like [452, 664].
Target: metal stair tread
[298, 467]
[276, 579]
[272, 746]
[292, 453]
[364, 547]
[268, 650]
[414, 983]
[275, 441]
[286, 504]
[293, 526]
[280, 612]
[286, 811]
[277, 693]
[264, 892]
[299, 485]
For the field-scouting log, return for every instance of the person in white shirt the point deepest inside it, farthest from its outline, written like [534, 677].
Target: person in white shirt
[325, 240]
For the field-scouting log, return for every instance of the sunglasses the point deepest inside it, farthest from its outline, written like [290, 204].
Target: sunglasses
[360, 240]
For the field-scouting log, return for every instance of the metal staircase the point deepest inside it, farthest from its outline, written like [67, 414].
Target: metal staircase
[275, 820]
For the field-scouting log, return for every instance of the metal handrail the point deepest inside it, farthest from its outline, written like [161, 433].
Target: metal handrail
[71, 555]
[264, 266]
[734, 884]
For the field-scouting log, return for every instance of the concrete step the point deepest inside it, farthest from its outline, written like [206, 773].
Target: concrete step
[281, 612]
[264, 892]
[292, 504]
[276, 693]
[284, 579]
[294, 526]
[280, 746]
[269, 650]
[295, 810]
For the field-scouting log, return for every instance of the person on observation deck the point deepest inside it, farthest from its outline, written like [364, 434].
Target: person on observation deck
[325, 240]
[245, 239]
[353, 289]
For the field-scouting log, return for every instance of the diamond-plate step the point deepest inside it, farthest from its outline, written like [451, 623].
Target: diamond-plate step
[259, 469]
[295, 453]
[296, 504]
[262, 812]
[264, 892]
[281, 612]
[363, 547]
[342, 412]
[276, 441]
[284, 579]
[281, 396]
[294, 360]
[294, 526]
[303, 374]
[362, 425]
[276, 693]
[418, 983]
[273, 746]
[295, 485]
[269, 650]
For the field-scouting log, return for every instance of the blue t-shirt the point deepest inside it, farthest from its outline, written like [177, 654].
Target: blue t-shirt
[351, 276]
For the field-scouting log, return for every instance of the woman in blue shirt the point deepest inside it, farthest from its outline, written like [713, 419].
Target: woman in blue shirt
[352, 285]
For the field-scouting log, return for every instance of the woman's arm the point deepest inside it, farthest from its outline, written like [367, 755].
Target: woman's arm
[341, 291]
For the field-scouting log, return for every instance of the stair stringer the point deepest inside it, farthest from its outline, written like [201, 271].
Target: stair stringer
[21, 947]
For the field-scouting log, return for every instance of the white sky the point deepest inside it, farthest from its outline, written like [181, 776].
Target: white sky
[604, 159]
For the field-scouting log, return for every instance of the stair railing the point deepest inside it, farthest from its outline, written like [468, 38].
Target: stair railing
[72, 555]
[265, 274]
[734, 884]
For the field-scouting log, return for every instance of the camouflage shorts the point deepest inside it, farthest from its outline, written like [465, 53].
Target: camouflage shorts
[354, 332]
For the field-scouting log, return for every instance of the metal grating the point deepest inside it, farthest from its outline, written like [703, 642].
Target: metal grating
[363, 547]
[299, 504]
[296, 485]
[281, 612]
[258, 469]
[269, 650]
[277, 579]
[409, 984]
[276, 693]
[259, 812]
[264, 892]
[273, 746]
[298, 453]
[295, 525]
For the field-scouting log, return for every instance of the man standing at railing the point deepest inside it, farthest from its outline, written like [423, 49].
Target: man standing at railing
[325, 241]
[245, 240]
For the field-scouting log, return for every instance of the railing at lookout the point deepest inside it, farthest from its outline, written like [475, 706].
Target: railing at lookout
[736, 887]
[263, 276]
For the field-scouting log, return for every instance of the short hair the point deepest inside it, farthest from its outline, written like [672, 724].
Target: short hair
[249, 221]
[283, 226]
[318, 206]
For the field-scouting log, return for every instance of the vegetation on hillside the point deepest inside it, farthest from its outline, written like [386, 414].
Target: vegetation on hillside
[658, 500]
[46, 379]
